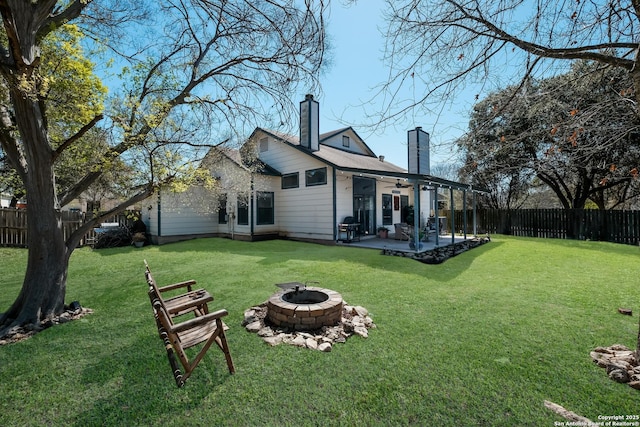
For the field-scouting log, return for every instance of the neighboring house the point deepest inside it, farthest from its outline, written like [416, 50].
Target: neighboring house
[299, 188]
[5, 200]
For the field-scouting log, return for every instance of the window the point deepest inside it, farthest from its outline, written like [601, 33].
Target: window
[222, 209]
[290, 180]
[243, 212]
[345, 141]
[264, 144]
[316, 177]
[93, 206]
[265, 208]
[387, 209]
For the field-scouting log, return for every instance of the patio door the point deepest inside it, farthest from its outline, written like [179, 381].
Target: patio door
[364, 204]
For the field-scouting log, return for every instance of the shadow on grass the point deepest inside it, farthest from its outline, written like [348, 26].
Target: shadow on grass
[274, 252]
[135, 386]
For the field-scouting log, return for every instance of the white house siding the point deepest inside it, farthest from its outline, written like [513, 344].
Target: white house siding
[355, 143]
[344, 196]
[191, 212]
[303, 212]
[149, 213]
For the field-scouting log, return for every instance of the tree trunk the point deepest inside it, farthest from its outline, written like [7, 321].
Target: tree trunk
[43, 290]
[638, 345]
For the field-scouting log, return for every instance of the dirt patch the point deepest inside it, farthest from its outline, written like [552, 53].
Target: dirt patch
[71, 312]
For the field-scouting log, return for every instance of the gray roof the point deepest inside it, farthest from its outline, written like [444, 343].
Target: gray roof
[364, 164]
[341, 159]
[347, 160]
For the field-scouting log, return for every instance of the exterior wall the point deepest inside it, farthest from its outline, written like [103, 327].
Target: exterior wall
[355, 143]
[266, 184]
[344, 196]
[194, 212]
[188, 213]
[303, 212]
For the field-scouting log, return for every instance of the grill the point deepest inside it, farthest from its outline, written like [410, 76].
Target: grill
[348, 230]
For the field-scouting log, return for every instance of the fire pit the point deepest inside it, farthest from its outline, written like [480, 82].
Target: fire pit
[301, 308]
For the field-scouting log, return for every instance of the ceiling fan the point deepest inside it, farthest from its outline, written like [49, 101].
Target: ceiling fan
[399, 185]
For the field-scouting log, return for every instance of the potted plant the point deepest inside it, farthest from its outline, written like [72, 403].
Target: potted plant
[412, 243]
[138, 239]
[383, 232]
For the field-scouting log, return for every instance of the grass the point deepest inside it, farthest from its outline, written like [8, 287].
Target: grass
[482, 339]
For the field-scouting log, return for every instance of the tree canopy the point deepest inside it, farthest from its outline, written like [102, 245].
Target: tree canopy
[443, 48]
[577, 133]
[190, 72]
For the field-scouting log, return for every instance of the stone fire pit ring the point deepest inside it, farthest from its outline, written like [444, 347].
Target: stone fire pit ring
[306, 308]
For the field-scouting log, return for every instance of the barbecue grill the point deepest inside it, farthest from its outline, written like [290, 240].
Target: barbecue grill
[348, 230]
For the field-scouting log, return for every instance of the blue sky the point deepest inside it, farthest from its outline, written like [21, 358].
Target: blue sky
[356, 69]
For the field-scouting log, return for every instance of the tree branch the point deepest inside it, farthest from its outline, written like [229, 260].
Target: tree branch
[77, 136]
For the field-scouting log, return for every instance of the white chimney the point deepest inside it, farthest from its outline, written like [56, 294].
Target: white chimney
[309, 123]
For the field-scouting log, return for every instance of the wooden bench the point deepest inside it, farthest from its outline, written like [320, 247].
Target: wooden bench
[191, 301]
[197, 333]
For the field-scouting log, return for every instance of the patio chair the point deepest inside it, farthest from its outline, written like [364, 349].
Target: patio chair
[401, 231]
[192, 301]
[179, 337]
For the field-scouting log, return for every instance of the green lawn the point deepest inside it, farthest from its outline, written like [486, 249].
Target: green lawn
[480, 340]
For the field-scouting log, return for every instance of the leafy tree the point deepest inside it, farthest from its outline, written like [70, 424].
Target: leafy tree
[575, 133]
[73, 96]
[193, 69]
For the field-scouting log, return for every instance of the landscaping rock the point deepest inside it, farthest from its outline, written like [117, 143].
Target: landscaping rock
[440, 254]
[266, 332]
[311, 343]
[255, 326]
[325, 347]
[273, 340]
[361, 331]
[620, 363]
[619, 375]
[355, 321]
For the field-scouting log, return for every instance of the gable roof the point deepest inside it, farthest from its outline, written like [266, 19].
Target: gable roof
[328, 135]
[359, 163]
[340, 159]
[254, 165]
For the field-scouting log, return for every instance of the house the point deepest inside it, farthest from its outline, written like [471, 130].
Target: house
[299, 187]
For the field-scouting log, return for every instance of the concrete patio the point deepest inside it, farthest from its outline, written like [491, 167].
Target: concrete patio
[374, 242]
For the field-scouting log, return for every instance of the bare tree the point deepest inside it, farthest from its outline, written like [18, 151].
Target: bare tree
[192, 68]
[440, 47]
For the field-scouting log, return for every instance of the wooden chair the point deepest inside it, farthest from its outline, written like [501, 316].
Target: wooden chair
[203, 330]
[192, 301]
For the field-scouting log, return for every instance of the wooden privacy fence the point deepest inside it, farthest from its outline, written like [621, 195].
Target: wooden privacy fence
[13, 225]
[618, 226]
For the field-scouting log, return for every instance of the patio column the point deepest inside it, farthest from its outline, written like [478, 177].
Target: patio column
[453, 219]
[464, 212]
[416, 215]
[435, 214]
[475, 223]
